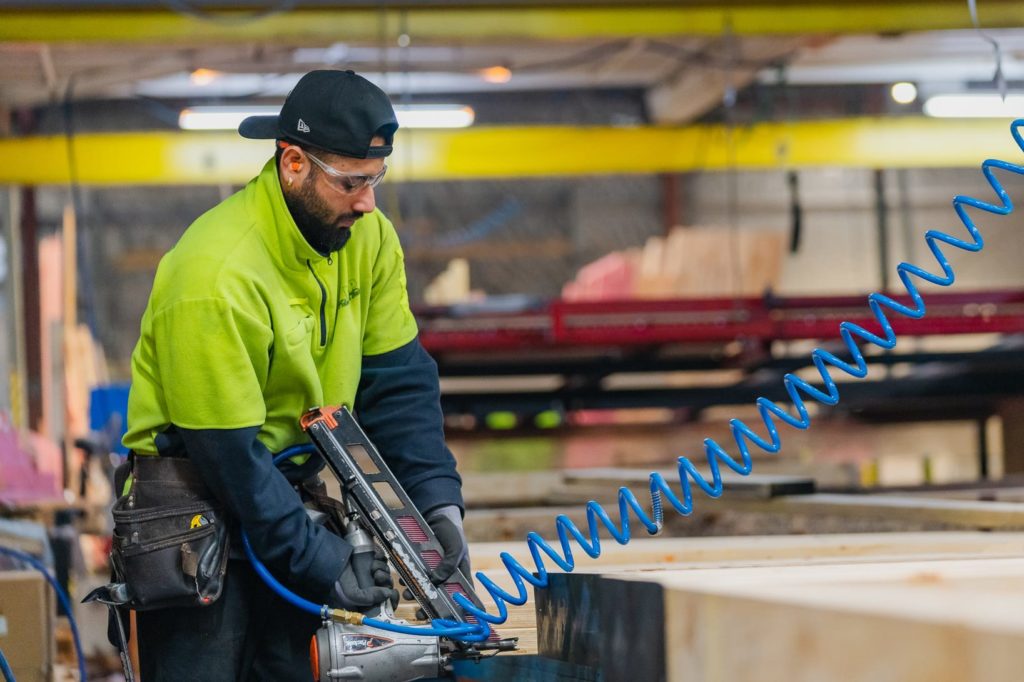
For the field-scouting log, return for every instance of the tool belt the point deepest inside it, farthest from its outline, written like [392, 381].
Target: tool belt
[170, 543]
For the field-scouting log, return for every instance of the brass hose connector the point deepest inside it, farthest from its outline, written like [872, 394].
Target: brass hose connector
[350, 617]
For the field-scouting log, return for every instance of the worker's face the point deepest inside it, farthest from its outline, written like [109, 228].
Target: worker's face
[325, 205]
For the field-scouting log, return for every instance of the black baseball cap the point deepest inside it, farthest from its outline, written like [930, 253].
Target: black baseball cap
[338, 111]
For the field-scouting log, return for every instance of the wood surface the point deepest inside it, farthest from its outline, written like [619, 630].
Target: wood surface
[714, 558]
[603, 485]
[951, 620]
[689, 262]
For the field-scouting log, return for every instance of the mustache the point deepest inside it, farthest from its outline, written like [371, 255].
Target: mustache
[349, 217]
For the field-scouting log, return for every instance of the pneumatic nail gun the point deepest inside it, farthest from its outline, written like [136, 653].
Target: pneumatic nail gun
[379, 511]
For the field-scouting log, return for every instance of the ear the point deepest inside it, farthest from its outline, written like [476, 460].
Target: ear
[292, 166]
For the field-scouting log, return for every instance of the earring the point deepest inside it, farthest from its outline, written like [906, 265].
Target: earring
[289, 182]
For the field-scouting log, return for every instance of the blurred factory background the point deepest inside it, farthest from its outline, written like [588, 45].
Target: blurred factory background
[622, 223]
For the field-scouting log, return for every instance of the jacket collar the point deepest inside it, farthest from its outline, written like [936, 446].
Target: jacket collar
[275, 223]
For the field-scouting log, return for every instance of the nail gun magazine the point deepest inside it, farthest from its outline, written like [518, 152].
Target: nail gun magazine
[376, 502]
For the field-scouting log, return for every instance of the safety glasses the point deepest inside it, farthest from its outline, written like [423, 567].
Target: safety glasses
[348, 183]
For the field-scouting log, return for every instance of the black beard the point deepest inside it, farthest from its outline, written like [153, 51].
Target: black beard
[312, 217]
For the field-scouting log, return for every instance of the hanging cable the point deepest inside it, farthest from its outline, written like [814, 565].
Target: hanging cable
[83, 244]
[729, 96]
[998, 78]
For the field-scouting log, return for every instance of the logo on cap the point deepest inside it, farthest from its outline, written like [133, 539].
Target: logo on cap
[303, 128]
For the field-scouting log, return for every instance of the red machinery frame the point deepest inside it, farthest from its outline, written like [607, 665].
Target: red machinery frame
[624, 323]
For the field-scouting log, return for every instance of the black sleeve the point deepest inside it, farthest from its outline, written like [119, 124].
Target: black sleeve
[240, 471]
[398, 404]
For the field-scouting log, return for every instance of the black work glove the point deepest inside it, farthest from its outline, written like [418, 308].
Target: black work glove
[365, 583]
[446, 522]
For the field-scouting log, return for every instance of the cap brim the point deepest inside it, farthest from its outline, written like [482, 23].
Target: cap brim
[378, 151]
[260, 128]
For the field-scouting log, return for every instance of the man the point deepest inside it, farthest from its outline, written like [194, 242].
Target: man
[288, 295]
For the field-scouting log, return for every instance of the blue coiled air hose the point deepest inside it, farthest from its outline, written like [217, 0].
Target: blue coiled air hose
[439, 628]
[714, 453]
[62, 597]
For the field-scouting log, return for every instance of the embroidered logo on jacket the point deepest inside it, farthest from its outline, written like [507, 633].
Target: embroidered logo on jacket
[353, 293]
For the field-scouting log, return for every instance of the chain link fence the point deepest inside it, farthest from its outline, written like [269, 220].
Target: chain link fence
[518, 236]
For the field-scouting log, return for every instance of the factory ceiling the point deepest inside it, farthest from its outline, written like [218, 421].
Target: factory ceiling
[686, 57]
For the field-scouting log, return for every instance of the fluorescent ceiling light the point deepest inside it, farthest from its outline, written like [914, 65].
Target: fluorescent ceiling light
[332, 54]
[220, 118]
[409, 116]
[974, 106]
[434, 115]
[277, 86]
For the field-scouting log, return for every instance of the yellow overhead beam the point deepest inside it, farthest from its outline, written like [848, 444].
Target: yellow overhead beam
[163, 158]
[489, 23]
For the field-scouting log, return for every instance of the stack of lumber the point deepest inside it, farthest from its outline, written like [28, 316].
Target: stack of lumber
[612, 276]
[691, 262]
[915, 620]
[735, 561]
[507, 505]
[451, 285]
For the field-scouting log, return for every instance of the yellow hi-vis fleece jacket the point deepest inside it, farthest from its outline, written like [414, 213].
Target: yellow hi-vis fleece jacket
[246, 328]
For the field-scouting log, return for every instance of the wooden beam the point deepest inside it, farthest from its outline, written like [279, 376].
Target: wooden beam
[1011, 414]
[720, 555]
[787, 549]
[906, 509]
[950, 513]
[18, 395]
[30, 305]
[914, 621]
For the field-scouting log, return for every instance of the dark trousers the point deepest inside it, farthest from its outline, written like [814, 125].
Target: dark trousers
[248, 634]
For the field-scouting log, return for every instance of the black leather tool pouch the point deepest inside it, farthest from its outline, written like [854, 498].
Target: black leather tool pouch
[170, 539]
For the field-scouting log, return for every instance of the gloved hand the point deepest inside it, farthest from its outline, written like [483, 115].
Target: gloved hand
[365, 583]
[446, 522]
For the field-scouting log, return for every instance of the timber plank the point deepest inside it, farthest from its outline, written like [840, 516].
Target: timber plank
[646, 557]
[914, 621]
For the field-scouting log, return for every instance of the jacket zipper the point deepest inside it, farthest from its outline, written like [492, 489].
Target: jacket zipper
[323, 305]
